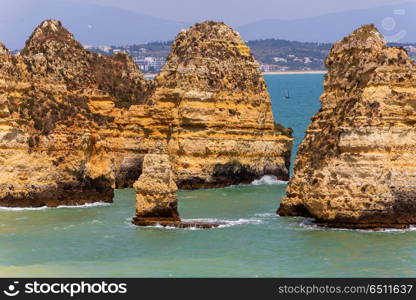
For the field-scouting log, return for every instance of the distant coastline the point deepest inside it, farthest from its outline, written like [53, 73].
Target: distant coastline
[274, 73]
[295, 72]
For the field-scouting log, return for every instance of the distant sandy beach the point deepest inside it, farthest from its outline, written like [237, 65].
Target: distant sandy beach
[274, 73]
[295, 72]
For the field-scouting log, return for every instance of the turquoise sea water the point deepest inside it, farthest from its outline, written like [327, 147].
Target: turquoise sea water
[99, 240]
[304, 91]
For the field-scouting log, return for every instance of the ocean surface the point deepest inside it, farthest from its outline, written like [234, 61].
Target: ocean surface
[99, 241]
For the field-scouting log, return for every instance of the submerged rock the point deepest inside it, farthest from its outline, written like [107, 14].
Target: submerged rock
[213, 100]
[156, 200]
[356, 167]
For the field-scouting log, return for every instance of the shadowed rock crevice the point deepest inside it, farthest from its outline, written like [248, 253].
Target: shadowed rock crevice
[128, 173]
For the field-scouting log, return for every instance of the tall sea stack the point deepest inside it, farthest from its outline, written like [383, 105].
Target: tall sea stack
[213, 100]
[156, 199]
[356, 166]
[156, 189]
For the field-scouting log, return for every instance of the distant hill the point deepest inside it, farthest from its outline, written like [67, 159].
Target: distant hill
[91, 24]
[100, 25]
[277, 55]
[272, 54]
[396, 23]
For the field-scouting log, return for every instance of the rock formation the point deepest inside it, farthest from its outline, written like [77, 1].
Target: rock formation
[356, 167]
[213, 100]
[82, 122]
[52, 149]
[111, 86]
[156, 201]
[156, 189]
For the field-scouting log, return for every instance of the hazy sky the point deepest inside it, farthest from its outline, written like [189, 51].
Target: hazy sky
[238, 12]
[128, 23]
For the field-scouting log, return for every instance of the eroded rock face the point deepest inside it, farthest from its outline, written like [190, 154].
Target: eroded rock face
[355, 167]
[82, 122]
[53, 150]
[156, 200]
[53, 54]
[113, 87]
[156, 189]
[213, 101]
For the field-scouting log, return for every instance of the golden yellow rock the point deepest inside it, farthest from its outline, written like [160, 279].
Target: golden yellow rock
[51, 149]
[156, 189]
[212, 100]
[156, 200]
[356, 168]
[74, 125]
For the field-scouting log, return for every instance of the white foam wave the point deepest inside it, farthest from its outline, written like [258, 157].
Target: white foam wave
[167, 227]
[266, 215]
[312, 226]
[95, 204]
[87, 205]
[268, 180]
[129, 223]
[22, 208]
[224, 223]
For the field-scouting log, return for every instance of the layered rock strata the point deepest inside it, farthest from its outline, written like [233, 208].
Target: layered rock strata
[83, 122]
[113, 87]
[356, 167]
[156, 200]
[52, 150]
[213, 100]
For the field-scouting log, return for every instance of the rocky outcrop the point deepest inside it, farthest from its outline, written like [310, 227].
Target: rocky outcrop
[208, 109]
[52, 147]
[113, 88]
[83, 122]
[213, 101]
[156, 189]
[52, 54]
[356, 168]
[156, 200]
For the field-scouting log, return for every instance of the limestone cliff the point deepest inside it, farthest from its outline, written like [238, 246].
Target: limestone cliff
[213, 101]
[111, 86]
[82, 123]
[48, 143]
[356, 168]
[209, 108]
[52, 149]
